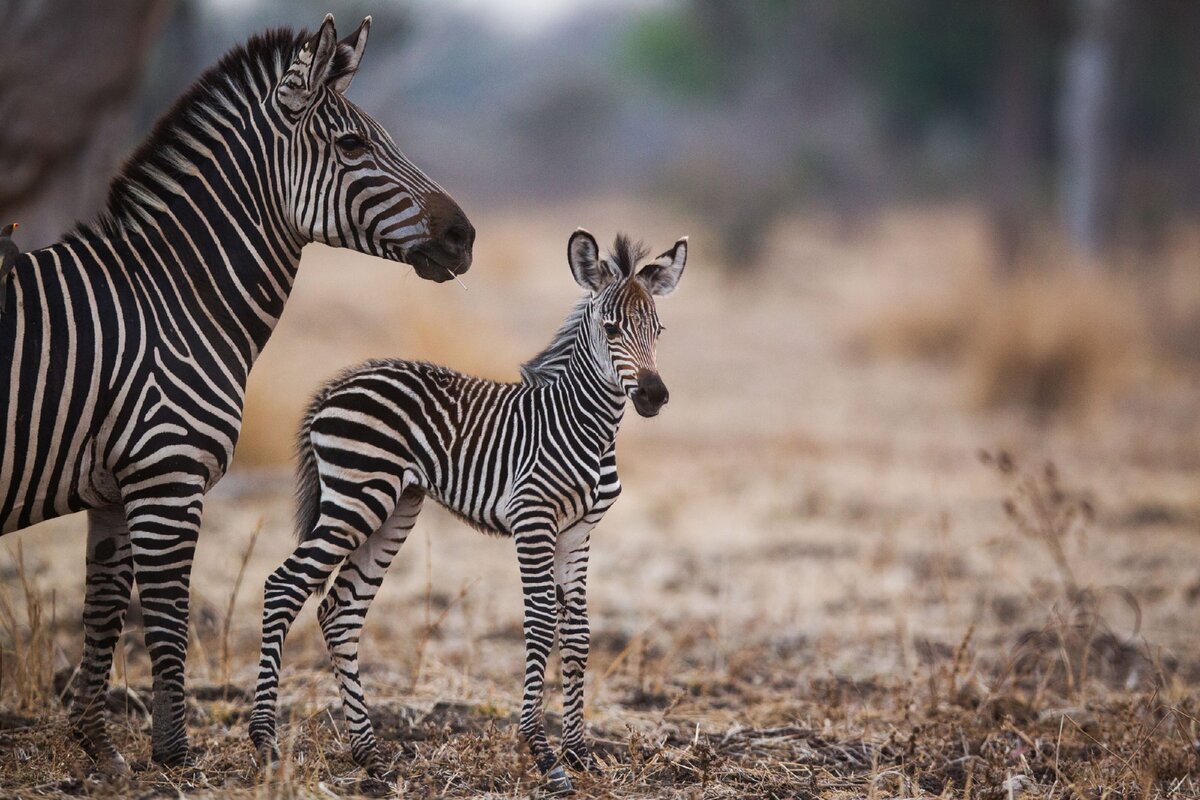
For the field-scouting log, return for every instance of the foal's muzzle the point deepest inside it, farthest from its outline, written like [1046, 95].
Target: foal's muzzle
[650, 395]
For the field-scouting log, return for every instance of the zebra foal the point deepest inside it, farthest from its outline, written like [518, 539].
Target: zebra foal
[125, 347]
[533, 460]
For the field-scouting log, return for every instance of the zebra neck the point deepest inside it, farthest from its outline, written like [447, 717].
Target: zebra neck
[218, 230]
[596, 399]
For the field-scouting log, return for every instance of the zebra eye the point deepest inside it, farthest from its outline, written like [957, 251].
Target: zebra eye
[611, 329]
[351, 144]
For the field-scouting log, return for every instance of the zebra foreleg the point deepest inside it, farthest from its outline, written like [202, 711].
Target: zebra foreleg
[343, 612]
[109, 582]
[574, 636]
[285, 592]
[164, 522]
[535, 535]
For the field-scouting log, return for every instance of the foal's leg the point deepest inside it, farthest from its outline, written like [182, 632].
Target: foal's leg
[535, 530]
[109, 582]
[345, 523]
[344, 610]
[574, 635]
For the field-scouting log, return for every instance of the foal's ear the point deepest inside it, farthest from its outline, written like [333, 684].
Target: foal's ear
[583, 254]
[662, 275]
[309, 70]
[347, 57]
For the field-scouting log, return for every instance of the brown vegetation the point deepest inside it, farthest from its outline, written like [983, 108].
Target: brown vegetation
[810, 588]
[1049, 340]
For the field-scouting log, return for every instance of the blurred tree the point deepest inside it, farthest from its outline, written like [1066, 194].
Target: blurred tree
[930, 62]
[1021, 93]
[757, 78]
[1088, 124]
[69, 71]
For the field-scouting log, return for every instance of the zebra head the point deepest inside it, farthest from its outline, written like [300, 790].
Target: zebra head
[621, 319]
[347, 183]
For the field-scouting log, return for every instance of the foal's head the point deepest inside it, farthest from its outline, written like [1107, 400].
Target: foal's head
[621, 317]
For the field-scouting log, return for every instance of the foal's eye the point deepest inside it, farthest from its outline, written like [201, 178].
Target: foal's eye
[351, 144]
[611, 329]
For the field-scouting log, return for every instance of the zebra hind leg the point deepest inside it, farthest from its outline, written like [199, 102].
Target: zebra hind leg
[109, 583]
[285, 592]
[343, 612]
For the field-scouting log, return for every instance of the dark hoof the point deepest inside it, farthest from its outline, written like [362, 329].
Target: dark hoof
[581, 760]
[182, 757]
[267, 755]
[113, 766]
[378, 783]
[557, 782]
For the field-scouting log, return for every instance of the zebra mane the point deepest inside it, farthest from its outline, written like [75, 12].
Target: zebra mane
[247, 72]
[546, 366]
[626, 254]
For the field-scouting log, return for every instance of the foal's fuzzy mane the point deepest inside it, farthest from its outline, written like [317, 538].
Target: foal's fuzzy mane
[546, 366]
[243, 75]
[626, 253]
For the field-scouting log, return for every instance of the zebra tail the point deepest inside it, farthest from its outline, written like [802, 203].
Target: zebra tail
[308, 478]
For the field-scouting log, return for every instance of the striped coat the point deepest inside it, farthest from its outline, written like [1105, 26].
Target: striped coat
[534, 460]
[125, 348]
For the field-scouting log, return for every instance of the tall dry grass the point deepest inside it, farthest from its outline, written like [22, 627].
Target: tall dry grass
[1051, 341]
[27, 646]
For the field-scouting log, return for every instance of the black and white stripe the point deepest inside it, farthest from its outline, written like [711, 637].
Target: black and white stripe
[533, 460]
[124, 348]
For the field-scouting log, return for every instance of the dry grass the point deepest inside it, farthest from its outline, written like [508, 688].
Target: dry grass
[1049, 342]
[810, 587]
[1066, 710]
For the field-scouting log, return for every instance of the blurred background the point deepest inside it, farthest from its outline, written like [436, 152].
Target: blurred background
[920, 230]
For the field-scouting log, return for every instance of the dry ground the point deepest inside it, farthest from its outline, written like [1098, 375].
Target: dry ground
[813, 585]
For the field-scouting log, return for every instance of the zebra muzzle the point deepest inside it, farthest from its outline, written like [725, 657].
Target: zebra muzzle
[651, 393]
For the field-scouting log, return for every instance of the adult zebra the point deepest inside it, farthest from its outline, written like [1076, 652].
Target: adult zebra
[534, 460]
[124, 348]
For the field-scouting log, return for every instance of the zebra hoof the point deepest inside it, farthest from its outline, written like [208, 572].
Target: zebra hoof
[113, 766]
[179, 757]
[581, 760]
[381, 783]
[557, 782]
[382, 775]
[267, 754]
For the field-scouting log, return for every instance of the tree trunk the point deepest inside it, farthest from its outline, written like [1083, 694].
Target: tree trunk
[1016, 118]
[69, 71]
[1087, 126]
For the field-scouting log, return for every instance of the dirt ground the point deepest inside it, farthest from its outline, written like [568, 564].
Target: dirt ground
[896, 535]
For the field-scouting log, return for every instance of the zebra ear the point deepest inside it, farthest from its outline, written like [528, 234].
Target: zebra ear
[583, 254]
[309, 69]
[347, 57]
[662, 275]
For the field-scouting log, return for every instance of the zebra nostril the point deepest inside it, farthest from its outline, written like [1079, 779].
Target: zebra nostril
[460, 235]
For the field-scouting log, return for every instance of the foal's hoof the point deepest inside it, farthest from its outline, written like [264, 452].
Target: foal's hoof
[113, 766]
[557, 782]
[179, 757]
[378, 783]
[581, 760]
[267, 754]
